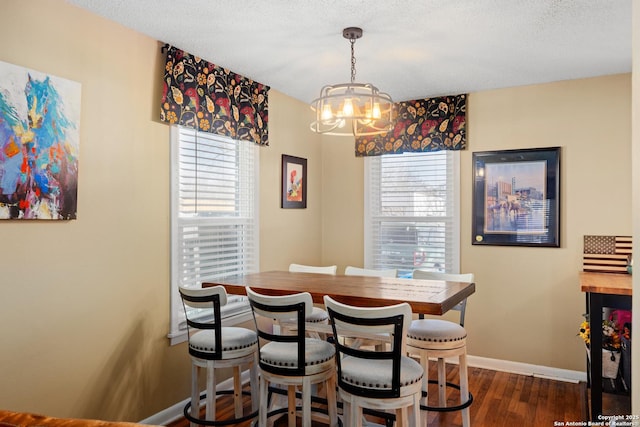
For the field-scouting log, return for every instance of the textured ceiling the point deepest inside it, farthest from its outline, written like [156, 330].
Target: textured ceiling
[410, 49]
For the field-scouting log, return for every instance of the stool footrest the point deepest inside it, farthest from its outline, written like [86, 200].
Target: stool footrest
[216, 423]
[447, 408]
[278, 411]
[388, 417]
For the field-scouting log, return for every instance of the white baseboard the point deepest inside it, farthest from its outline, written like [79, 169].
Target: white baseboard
[175, 412]
[526, 369]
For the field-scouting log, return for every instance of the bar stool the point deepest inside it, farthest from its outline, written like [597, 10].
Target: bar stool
[213, 346]
[290, 358]
[380, 380]
[357, 271]
[442, 339]
[317, 315]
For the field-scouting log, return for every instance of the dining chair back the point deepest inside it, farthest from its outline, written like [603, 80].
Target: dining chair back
[288, 357]
[213, 346]
[379, 380]
[357, 271]
[300, 268]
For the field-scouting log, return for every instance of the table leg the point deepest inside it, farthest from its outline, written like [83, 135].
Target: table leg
[595, 324]
[586, 300]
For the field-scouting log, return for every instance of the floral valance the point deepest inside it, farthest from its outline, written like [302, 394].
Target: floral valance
[209, 98]
[430, 124]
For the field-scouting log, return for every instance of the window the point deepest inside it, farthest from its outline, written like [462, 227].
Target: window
[214, 220]
[412, 212]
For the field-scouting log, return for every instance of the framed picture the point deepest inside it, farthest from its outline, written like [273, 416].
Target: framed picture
[40, 139]
[516, 197]
[294, 182]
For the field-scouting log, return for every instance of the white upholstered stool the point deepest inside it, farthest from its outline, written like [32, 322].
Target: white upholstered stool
[317, 315]
[290, 358]
[357, 271]
[212, 347]
[441, 339]
[379, 380]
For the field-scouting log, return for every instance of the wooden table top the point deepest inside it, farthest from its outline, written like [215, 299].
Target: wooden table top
[606, 283]
[425, 296]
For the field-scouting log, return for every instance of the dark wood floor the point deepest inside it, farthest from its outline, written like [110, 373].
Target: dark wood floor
[500, 399]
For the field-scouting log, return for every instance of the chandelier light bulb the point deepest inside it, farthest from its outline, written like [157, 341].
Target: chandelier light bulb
[347, 108]
[327, 113]
[376, 111]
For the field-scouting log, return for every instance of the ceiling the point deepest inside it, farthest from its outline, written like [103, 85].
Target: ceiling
[410, 49]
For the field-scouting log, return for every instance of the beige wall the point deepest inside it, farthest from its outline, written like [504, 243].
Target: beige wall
[93, 343]
[289, 235]
[342, 203]
[84, 304]
[528, 304]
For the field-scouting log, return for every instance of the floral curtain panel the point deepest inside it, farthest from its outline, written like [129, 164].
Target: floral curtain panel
[430, 124]
[209, 98]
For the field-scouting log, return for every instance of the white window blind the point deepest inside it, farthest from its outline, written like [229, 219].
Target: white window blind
[214, 216]
[412, 212]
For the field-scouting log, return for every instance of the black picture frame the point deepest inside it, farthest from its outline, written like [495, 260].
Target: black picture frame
[294, 182]
[516, 197]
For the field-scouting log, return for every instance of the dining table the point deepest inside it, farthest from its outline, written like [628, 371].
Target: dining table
[434, 297]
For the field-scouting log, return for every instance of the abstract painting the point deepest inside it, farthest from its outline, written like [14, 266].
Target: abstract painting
[294, 182]
[39, 144]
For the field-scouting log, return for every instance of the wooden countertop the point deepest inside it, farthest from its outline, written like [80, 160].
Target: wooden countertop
[606, 283]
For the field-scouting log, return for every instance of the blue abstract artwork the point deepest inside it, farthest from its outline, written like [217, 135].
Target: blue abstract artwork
[39, 144]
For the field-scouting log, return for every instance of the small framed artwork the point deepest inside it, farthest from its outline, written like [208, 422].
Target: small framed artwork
[294, 182]
[516, 197]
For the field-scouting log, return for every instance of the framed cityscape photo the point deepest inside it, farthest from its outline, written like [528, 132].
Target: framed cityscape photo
[516, 197]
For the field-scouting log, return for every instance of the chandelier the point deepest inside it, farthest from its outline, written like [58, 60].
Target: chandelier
[356, 109]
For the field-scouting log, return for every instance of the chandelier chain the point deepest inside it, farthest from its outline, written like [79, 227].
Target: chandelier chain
[353, 61]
